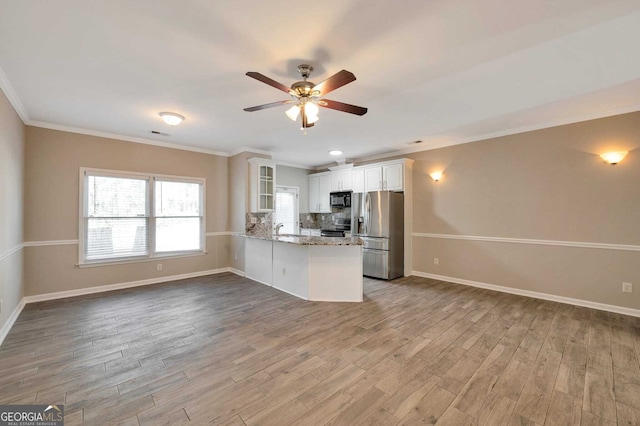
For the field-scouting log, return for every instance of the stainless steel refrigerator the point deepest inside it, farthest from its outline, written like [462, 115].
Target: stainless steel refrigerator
[378, 218]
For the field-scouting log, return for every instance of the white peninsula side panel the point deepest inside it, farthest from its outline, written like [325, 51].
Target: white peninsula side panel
[326, 273]
[335, 275]
[258, 254]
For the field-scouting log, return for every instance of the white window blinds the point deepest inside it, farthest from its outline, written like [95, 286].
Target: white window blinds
[178, 213]
[137, 216]
[117, 219]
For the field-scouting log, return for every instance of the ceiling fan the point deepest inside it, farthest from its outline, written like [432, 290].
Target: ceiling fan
[306, 96]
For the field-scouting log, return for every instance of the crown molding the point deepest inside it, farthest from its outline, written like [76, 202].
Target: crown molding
[78, 130]
[14, 100]
[294, 165]
[248, 149]
[428, 146]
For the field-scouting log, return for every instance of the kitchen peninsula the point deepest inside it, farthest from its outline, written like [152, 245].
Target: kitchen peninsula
[311, 268]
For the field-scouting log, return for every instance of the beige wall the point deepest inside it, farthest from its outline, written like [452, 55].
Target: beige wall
[293, 176]
[53, 159]
[544, 185]
[11, 208]
[239, 204]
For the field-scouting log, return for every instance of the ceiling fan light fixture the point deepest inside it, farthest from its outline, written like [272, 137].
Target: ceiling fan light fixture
[312, 118]
[293, 112]
[306, 94]
[171, 118]
[311, 109]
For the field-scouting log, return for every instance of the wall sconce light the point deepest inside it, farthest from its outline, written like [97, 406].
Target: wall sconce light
[171, 118]
[613, 158]
[436, 176]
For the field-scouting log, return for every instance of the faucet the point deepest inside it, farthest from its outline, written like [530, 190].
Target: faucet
[278, 226]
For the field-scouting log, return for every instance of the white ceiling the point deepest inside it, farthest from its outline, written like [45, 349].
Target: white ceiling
[440, 71]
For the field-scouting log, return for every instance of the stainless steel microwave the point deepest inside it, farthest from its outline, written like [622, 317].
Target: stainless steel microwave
[341, 199]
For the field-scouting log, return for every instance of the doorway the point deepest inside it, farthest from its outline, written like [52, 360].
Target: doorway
[287, 210]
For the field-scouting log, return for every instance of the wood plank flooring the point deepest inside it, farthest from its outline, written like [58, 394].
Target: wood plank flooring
[225, 350]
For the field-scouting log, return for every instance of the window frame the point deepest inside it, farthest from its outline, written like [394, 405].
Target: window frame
[151, 223]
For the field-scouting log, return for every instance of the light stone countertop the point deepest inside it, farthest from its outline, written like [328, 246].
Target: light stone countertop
[310, 241]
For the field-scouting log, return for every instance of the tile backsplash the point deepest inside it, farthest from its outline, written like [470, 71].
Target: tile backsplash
[322, 220]
[263, 226]
[315, 220]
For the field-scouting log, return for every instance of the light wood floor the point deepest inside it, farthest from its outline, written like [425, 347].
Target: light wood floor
[226, 350]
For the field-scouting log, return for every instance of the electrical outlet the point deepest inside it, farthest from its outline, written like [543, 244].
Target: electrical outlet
[159, 267]
[627, 287]
[236, 256]
[436, 261]
[254, 220]
[284, 271]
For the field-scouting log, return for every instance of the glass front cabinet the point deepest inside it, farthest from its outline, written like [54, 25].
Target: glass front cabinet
[262, 176]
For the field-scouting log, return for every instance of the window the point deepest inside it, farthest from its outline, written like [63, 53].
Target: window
[130, 216]
[287, 209]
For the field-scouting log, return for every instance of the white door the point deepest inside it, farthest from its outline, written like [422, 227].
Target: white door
[286, 210]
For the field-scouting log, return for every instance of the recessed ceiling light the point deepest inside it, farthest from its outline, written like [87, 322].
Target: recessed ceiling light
[171, 118]
[335, 152]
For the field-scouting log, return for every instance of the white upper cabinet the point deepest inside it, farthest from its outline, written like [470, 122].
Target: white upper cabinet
[373, 179]
[384, 176]
[357, 178]
[393, 175]
[319, 190]
[262, 185]
[341, 179]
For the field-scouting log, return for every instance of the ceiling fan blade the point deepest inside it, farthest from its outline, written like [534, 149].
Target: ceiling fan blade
[265, 106]
[339, 106]
[270, 82]
[335, 81]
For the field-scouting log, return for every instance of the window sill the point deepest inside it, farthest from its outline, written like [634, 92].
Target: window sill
[156, 258]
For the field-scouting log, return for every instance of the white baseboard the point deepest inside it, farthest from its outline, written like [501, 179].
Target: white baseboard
[119, 286]
[534, 294]
[237, 271]
[259, 281]
[11, 320]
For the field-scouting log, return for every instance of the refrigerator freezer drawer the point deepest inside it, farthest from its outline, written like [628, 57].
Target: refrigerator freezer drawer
[375, 243]
[375, 263]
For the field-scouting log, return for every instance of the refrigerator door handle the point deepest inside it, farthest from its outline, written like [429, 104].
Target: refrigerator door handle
[367, 213]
